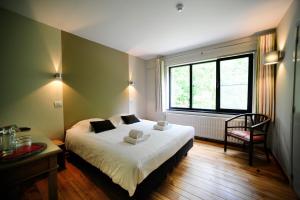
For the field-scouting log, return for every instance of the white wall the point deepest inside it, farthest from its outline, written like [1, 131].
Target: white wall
[242, 45]
[286, 36]
[137, 92]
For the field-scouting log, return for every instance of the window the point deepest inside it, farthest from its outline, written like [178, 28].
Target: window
[234, 83]
[204, 85]
[180, 91]
[221, 85]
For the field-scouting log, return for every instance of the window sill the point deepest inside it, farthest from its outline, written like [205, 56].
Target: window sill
[203, 113]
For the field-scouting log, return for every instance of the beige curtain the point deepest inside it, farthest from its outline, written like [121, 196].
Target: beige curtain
[159, 85]
[265, 77]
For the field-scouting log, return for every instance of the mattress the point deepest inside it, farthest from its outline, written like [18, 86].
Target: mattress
[126, 164]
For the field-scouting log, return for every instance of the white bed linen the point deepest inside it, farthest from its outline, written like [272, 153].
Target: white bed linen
[127, 164]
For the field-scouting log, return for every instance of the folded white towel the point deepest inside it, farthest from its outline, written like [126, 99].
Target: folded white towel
[161, 128]
[135, 134]
[130, 140]
[162, 123]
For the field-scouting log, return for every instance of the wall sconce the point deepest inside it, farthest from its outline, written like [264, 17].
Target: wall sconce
[58, 76]
[273, 57]
[179, 7]
[132, 83]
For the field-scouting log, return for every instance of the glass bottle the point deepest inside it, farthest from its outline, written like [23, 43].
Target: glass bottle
[9, 140]
[6, 145]
[12, 133]
[1, 137]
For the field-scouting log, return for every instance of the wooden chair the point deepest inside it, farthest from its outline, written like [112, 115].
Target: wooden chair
[253, 131]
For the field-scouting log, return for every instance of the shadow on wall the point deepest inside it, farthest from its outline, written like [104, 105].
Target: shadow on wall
[85, 102]
[95, 80]
[82, 102]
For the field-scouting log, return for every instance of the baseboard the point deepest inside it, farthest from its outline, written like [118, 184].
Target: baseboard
[287, 178]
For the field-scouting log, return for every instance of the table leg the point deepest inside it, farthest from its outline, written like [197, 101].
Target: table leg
[52, 179]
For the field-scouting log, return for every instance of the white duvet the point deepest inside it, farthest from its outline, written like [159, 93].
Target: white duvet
[127, 164]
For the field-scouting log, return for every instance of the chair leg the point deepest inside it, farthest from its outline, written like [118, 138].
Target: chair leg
[244, 146]
[250, 153]
[266, 151]
[225, 143]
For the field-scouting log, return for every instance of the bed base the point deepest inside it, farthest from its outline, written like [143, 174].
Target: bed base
[152, 181]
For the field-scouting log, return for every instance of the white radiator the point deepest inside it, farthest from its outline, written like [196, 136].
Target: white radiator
[205, 126]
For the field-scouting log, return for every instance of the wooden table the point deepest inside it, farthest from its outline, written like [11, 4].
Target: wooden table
[14, 173]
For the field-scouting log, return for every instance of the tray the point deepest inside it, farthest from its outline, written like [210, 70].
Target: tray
[23, 152]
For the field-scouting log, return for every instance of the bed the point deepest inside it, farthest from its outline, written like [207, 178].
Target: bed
[129, 165]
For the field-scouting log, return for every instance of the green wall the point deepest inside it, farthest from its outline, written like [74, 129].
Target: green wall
[95, 80]
[29, 53]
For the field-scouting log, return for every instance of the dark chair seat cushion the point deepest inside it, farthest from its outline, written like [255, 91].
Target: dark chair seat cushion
[245, 135]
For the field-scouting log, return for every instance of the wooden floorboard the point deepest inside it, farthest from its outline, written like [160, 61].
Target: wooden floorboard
[207, 173]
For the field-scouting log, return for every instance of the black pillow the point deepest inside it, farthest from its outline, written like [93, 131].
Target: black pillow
[130, 119]
[100, 126]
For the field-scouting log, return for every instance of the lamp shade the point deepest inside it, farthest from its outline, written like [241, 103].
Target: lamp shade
[272, 57]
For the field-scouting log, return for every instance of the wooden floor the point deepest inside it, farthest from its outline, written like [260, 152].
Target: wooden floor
[206, 173]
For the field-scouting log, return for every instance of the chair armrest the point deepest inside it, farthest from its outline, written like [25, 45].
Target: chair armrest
[260, 124]
[228, 120]
[237, 127]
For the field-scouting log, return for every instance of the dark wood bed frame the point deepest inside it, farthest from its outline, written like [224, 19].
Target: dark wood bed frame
[152, 181]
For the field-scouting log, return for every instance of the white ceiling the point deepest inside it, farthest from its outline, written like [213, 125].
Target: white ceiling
[148, 28]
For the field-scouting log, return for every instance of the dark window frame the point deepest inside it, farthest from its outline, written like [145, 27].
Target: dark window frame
[218, 95]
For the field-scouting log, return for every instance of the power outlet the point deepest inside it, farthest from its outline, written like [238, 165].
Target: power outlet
[58, 104]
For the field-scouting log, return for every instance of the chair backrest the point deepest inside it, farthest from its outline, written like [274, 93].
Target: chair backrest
[259, 118]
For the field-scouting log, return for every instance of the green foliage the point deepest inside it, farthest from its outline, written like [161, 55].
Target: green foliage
[234, 83]
[180, 90]
[204, 85]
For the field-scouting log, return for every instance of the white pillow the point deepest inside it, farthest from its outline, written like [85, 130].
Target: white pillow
[85, 124]
[116, 120]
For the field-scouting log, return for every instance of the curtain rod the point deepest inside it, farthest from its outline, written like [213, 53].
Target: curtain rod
[272, 30]
[214, 58]
[204, 50]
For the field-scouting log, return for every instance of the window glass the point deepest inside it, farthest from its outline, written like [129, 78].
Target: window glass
[180, 87]
[204, 86]
[234, 83]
